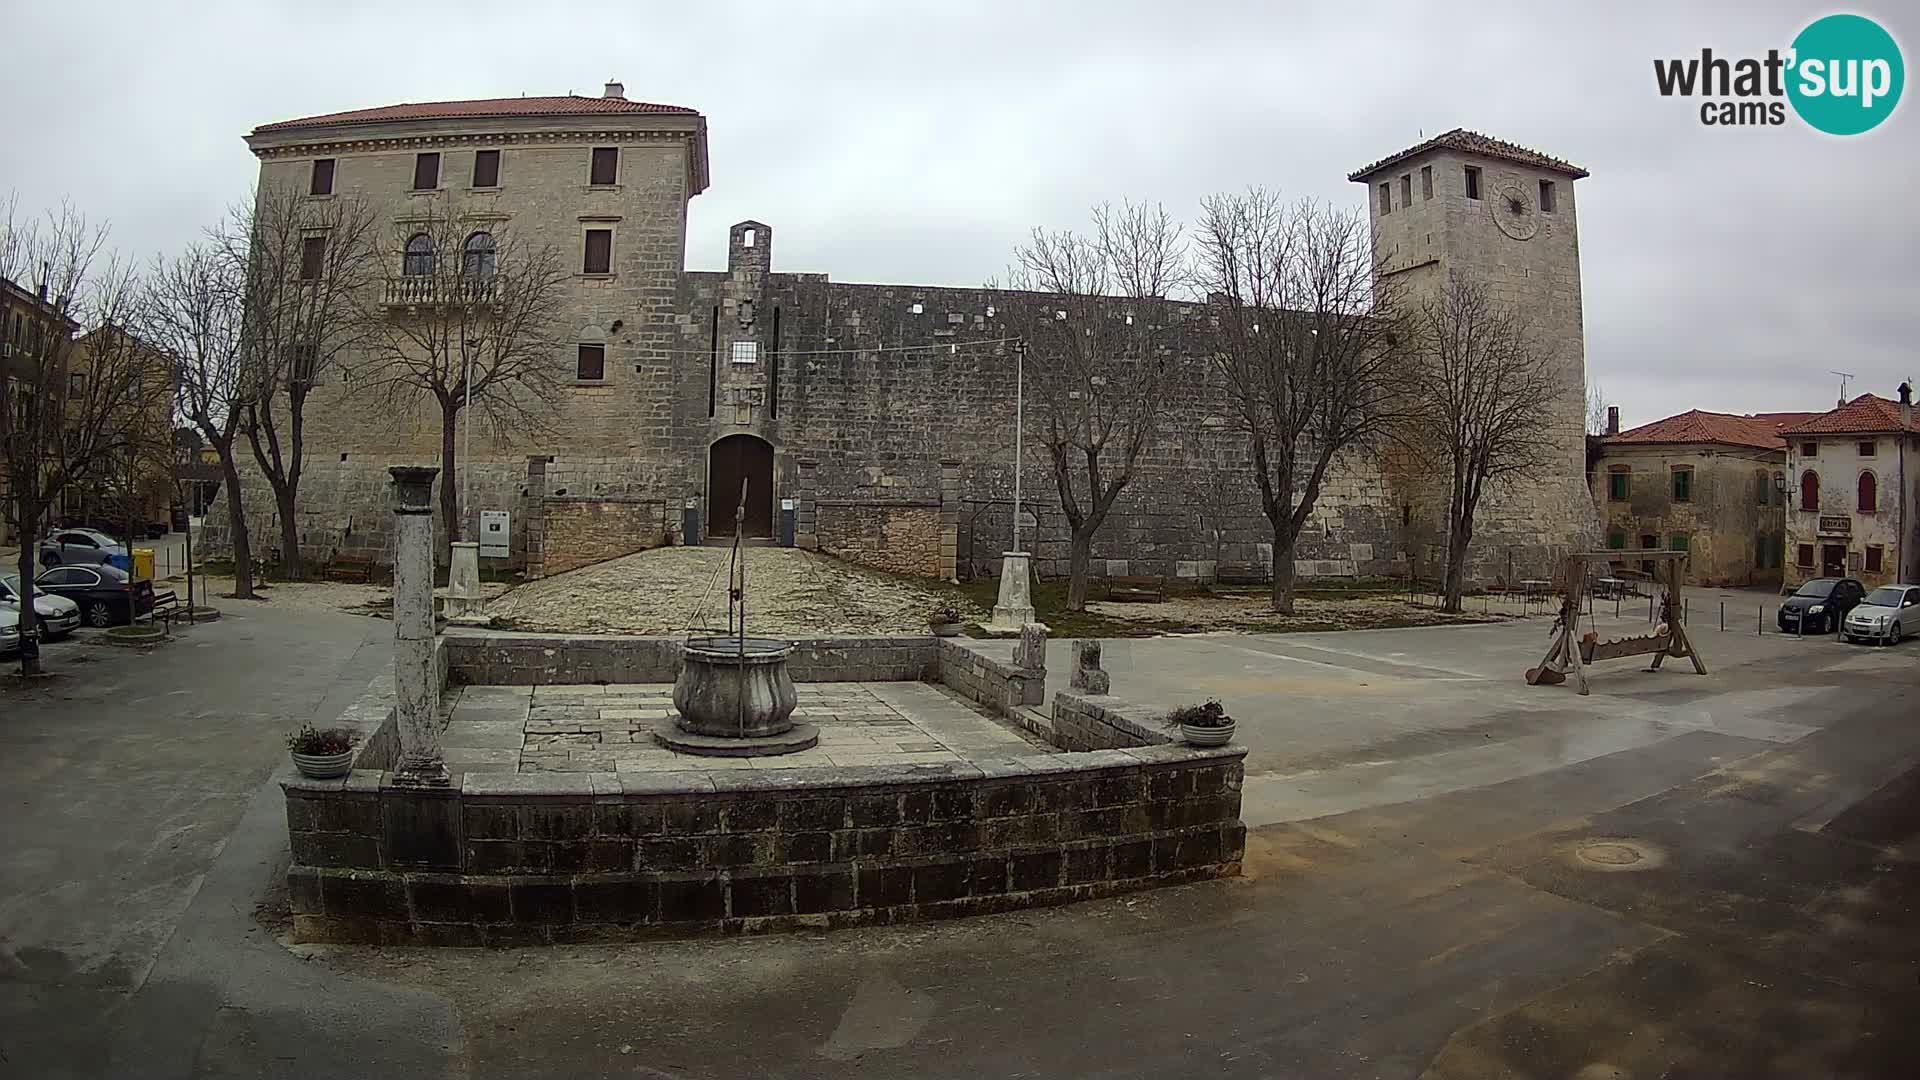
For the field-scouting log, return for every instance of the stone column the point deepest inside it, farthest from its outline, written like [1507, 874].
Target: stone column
[950, 520]
[420, 763]
[1015, 608]
[463, 582]
[805, 532]
[536, 515]
[1088, 676]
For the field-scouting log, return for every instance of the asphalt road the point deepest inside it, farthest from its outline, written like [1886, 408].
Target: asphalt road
[1710, 877]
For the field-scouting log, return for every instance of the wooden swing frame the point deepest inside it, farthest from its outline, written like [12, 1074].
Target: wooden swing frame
[1570, 651]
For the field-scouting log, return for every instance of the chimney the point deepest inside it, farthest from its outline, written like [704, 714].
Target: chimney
[615, 91]
[1613, 419]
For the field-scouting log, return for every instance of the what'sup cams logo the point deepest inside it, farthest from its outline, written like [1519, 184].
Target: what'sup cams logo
[1843, 76]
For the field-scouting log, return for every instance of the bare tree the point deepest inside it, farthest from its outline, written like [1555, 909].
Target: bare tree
[193, 313]
[1491, 397]
[71, 411]
[1304, 333]
[310, 269]
[474, 319]
[1100, 332]
[1596, 407]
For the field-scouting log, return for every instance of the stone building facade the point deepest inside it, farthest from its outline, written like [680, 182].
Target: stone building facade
[880, 415]
[1710, 484]
[1855, 490]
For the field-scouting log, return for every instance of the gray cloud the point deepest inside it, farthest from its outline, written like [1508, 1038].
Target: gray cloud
[1724, 269]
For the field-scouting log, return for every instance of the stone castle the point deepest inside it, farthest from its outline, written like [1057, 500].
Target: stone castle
[869, 421]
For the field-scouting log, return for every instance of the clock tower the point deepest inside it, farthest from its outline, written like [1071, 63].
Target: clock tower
[1503, 215]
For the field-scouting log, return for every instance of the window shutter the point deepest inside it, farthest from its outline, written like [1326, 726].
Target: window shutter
[606, 165]
[599, 258]
[486, 168]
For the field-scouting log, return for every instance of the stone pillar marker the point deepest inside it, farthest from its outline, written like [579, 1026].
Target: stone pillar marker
[1031, 653]
[1015, 608]
[1088, 677]
[420, 764]
[463, 583]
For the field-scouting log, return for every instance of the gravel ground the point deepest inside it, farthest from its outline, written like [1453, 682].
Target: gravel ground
[666, 590]
[312, 595]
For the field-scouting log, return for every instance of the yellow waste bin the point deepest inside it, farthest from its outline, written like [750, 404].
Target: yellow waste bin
[143, 564]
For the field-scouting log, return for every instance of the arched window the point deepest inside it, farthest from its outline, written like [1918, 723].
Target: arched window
[419, 258]
[1809, 490]
[1868, 500]
[477, 260]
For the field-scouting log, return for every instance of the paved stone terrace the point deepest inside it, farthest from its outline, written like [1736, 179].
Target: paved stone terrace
[594, 728]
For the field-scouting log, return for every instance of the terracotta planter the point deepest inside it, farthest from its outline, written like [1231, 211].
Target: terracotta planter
[1207, 736]
[324, 766]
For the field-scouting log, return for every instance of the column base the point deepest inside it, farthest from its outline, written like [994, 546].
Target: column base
[1015, 608]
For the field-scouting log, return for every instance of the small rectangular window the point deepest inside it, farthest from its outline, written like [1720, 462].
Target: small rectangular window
[1678, 542]
[1866, 448]
[1617, 541]
[746, 352]
[1809, 449]
[1874, 554]
[322, 177]
[1406, 191]
[1473, 182]
[606, 166]
[592, 364]
[1803, 555]
[1618, 481]
[1426, 181]
[1386, 198]
[426, 172]
[1682, 485]
[313, 257]
[486, 168]
[1546, 196]
[1649, 541]
[599, 258]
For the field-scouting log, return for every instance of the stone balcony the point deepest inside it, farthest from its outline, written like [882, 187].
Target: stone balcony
[434, 290]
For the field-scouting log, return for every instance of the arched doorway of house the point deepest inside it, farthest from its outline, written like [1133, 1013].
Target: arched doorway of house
[731, 460]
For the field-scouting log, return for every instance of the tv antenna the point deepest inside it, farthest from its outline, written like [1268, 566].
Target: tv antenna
[1844, 376]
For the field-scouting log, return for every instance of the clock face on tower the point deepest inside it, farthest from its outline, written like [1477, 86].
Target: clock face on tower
[1513, 210]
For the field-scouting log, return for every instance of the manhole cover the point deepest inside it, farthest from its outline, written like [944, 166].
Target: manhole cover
[1610, 854]
[1617, 854]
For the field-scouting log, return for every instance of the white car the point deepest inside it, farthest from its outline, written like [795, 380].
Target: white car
[9, 630]
[58, 615]
[1888, 614]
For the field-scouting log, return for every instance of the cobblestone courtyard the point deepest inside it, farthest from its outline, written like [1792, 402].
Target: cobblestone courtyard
[668, 590]
[592, 728]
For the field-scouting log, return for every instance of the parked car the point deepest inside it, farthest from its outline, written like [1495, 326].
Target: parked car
[58, 615]
[88, 547]
[9, 631]
[101, 592]
[1885, 615]
[1818, 606]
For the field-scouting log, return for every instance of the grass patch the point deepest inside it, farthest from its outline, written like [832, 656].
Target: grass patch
[1050, 607]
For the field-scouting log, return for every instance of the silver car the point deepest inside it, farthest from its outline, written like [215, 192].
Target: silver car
[1888, 614]
[58, 615]
[9, 631]
[85, 547]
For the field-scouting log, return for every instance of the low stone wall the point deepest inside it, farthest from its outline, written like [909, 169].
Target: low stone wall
[903, 537]
[489, 659]
[580, 531]
[511, 859]
[1102, 722]
[994, 684]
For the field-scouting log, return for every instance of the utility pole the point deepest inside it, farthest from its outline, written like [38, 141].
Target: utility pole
[1906, 435]
[1019, 429]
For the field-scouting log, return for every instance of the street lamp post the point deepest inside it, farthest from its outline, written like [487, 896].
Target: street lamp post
[1015, 608]
[464, 602]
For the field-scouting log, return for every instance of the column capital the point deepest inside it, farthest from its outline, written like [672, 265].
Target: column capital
[413, 488]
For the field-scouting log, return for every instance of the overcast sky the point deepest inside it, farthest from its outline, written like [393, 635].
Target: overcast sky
[1725, 269]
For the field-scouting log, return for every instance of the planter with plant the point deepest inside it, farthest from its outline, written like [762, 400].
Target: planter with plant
[321, 754]
[1203, 725]
[944, 620]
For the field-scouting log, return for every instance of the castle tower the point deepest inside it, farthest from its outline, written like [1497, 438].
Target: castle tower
[1462, 203]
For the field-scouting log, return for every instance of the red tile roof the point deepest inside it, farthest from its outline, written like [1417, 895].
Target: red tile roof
[1475, 143]
[1864, 414]
[570, 105]
[1760, 430]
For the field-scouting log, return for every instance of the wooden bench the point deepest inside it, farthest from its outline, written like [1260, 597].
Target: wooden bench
[166, 608]
[345, 567]
[1137, 587]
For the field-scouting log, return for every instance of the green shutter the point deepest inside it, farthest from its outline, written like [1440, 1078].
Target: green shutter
[1679, 543]
[1616, 541]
